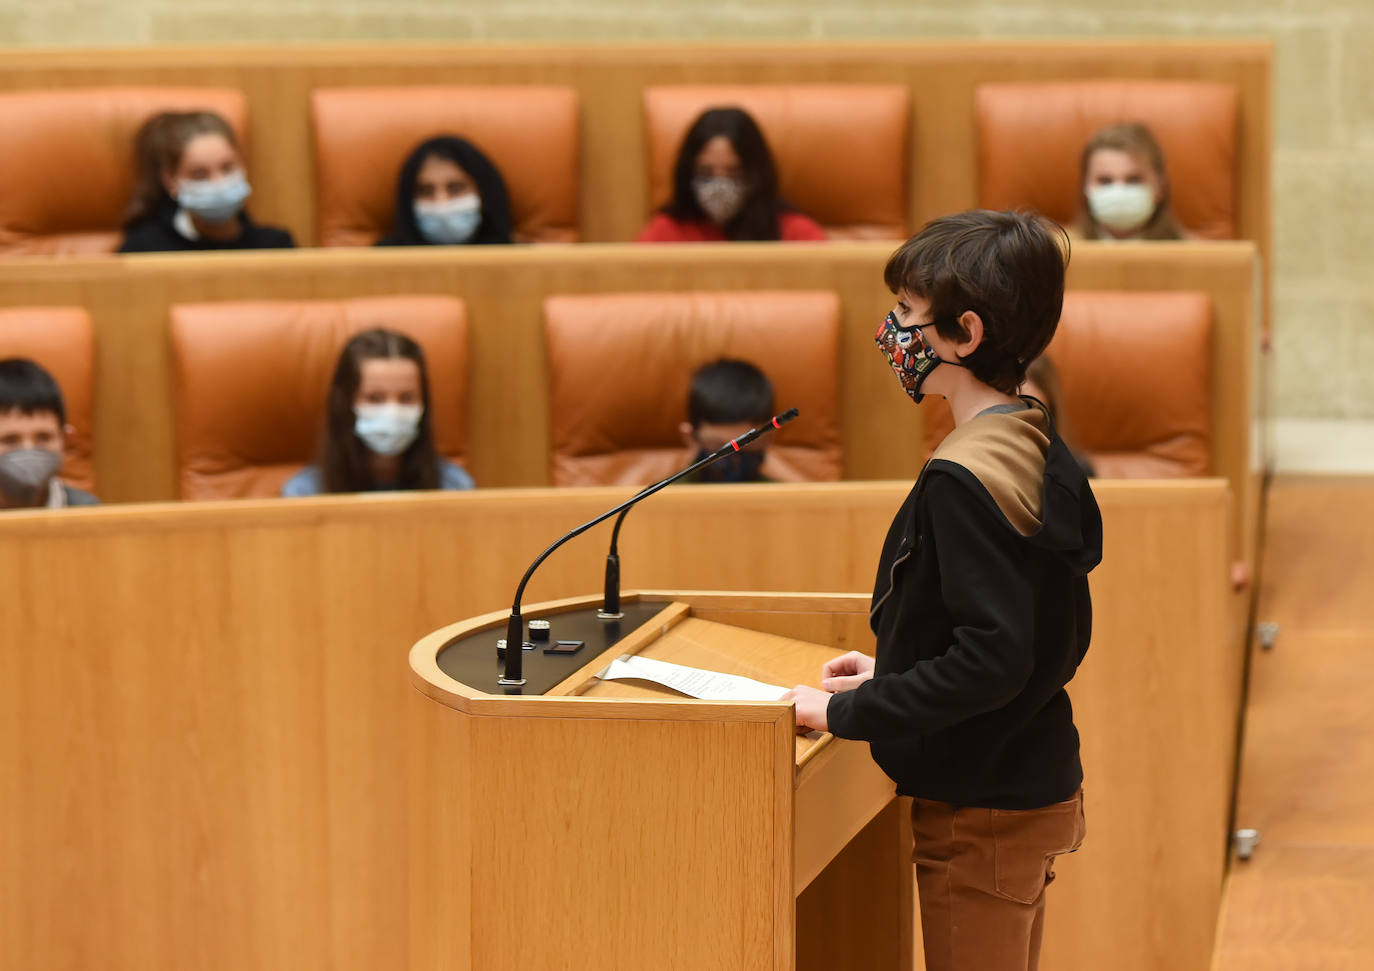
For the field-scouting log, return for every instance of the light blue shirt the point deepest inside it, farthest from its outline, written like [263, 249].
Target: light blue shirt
[307, 481]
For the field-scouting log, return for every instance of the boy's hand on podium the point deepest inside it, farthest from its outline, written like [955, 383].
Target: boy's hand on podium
[811, 705]
[846, 672]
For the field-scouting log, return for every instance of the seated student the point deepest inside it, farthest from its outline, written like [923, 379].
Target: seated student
[727, 398]
[191, 188]
[1125, 187]
[1042, 383]
[377, 432]
[32, 435]
[725, 187]
[448, 193]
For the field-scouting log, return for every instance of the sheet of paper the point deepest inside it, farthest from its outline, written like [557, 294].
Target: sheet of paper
[706, 685]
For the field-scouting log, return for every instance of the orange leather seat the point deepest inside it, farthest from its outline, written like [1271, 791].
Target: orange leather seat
[1136, 371]
[362, 135]
[67, 170]
[252, 378]
[1031, 137]
[62, 340]
[620, 367]
[841, 149]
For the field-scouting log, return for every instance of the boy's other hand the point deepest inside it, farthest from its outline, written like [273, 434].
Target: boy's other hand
[811, 705]
[846, 672]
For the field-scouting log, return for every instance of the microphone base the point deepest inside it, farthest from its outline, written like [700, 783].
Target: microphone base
[602, 615]
[510, 684]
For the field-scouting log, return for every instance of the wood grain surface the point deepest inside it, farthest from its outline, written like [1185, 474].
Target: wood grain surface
[208, 741]
[1304, 899]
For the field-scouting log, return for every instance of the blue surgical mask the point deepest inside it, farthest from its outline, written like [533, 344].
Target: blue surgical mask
[214, 200]
[387, 429]
[451, 221]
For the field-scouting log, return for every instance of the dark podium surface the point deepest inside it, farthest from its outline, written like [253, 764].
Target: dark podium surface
[473, 659]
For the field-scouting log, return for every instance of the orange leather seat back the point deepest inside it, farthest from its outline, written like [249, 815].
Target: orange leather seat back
[363, 135]
[1031, 137]
[620, 369]
[1136, 376]
[841, 149]
[61, 340]
[67, 171]
[252, 380]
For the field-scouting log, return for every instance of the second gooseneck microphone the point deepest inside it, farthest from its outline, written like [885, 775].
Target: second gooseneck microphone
[610, 609]
[515, 632]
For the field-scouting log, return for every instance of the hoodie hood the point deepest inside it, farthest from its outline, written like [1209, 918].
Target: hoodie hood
[1013, 459]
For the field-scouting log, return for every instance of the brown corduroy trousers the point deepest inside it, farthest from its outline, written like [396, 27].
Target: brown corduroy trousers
[981, 875]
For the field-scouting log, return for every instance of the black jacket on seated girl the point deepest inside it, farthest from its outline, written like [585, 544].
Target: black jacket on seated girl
[169, 229]
[191, 189]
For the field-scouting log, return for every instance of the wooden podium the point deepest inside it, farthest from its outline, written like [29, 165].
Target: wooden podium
[587, 824]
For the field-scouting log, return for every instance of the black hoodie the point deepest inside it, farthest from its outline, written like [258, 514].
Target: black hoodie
[982, 615]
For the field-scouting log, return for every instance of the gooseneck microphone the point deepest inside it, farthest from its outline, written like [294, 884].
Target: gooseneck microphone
[515, 627]
[610, 609]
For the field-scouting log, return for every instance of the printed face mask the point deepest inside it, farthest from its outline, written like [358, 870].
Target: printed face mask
[214, 200]
[911, 357]
[387, 429]
[26, 472]
[736, 467]
[721, 198]
[1121, 206]
[451, 221]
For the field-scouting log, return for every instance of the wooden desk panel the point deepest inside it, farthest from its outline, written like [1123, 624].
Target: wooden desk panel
[504, 288]
[204, 761]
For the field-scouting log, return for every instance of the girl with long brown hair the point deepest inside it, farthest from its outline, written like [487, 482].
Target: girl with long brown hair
[190, 190]
[378, 432]
[1125, 187]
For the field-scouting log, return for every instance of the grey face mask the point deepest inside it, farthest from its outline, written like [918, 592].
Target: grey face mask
[25, 474]
[721, 197]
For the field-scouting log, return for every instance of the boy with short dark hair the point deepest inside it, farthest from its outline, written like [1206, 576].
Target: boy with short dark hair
[32, 436]
[981, 607]
[727, 398]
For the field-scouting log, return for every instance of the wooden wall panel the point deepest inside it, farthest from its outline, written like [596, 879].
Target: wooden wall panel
[203, 756]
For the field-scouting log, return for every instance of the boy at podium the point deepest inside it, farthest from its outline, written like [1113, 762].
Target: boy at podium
[981, 608]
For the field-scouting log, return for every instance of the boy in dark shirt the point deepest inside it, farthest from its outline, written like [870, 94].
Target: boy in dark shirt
[727, 398]
[981, 607]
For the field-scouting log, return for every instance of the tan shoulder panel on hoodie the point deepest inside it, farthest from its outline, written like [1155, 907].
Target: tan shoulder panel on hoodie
[1006, 453]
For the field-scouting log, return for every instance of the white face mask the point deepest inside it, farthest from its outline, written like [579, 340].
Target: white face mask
[1121, 206]
[451, 221]
[387, 429]
[720, 197]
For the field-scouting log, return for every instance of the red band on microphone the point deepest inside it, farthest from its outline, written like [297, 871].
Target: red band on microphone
[734, 443]
[775, 423]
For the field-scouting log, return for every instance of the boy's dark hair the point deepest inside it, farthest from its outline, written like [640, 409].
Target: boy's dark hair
[758, 217]
[26, 387]
[728, 391]
[1007, 267]
[495, 226]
